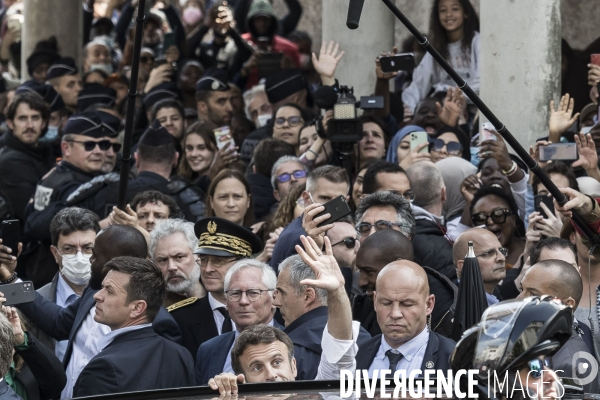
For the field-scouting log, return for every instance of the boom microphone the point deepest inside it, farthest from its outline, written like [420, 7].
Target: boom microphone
[354, 11]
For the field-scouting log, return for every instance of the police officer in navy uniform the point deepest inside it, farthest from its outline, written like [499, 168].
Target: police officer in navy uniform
[84, 145]
[220, 244]
[155, 158]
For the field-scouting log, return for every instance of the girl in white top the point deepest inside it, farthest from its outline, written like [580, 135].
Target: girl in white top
[454, 33]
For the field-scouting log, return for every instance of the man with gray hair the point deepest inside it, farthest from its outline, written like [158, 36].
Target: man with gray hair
[432, 246]
[287, 173]
[384, 210]
[172, 244]
[258, 108]
[249, 285]
[304, 310]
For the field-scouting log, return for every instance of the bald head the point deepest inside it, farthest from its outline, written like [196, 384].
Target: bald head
[556, 278]
[478, 236]
[427, 184]
[402, 301]
[377, 251]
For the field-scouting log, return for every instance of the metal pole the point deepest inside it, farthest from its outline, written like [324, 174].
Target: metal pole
[131, 97]
[502, 130]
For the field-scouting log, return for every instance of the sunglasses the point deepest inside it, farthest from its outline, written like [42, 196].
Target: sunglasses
[537, 366]
[292, 121]
[364, 227]
[349, 242]
[298, 174]
[453, 148]
[116, 147]
[90, 145]
[498, 216]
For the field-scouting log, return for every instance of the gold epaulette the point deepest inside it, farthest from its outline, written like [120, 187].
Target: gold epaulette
[182, 303]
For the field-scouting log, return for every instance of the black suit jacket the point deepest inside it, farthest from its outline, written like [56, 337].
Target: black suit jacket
[306, 333]
[136, 360]
[212, 355]
[64, 323]
[197, 324]
[437, 354]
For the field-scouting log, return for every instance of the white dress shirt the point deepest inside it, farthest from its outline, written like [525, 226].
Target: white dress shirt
[227, 366]
[65, 296]
[337, 354]
[110, 336]
[219, 318]
[412, 352]
[85, 347]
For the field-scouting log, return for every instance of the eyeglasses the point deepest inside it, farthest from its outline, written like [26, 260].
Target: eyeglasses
[90, 145]
[498, 217]
[116, 147]
[71, 252]
[292, 121]
[452, 147]
[252, 294]
[492, 252]
[364, 227]
[349, 242]
[216, 262]
[537, 366]
[408, 195]
[285, 177]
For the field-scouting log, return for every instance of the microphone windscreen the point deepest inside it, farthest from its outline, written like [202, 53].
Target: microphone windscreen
[354, 11]
[325, 97]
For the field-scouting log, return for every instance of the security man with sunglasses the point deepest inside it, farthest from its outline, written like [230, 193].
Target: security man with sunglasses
[83, 146]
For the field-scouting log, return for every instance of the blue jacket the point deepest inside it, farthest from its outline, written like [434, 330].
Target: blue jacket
[286, 244]
[212, 355]
[64, 323]
[437, 354]
[306, 333]
[136, 360]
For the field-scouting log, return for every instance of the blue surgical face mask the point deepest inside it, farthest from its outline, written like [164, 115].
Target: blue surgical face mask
[51, 134]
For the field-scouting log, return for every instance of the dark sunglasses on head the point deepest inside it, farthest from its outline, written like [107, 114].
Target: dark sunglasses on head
[349, 242]
[298, 174]
[537, 366]
[90, 145]
[498, 216]
[292, 121]
[453, 148]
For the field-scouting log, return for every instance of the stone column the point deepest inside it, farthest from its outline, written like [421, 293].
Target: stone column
[520, 63]
[44, 18]
[374, 35]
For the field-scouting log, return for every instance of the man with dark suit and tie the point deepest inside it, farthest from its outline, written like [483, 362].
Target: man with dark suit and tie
[220, 244]
[76, 322]
[403, 306]
[132, 356]
[249, 287]
[304, 310]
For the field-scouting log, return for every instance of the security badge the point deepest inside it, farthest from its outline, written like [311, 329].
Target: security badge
[42, 197]
[429, 364]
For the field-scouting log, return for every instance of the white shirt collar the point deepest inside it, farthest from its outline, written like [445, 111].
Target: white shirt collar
[63, 291]
[110, 336]
[410, 348]
[214, 303]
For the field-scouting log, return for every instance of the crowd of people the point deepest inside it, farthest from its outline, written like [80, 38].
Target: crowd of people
[224, 267]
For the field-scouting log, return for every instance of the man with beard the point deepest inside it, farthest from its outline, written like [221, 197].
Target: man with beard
[76, 322]
[172, 249]
[490, 256]
[213, 97]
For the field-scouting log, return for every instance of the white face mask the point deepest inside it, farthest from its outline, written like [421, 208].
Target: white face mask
[262, 120]
[77, 269]
[101, 66]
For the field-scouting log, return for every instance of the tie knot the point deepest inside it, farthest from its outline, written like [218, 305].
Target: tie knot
[394, 356]
[223, 312]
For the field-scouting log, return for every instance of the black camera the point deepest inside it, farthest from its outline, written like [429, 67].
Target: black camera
[345, 126]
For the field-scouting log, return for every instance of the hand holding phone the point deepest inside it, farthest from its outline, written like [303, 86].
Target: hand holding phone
[338, 208]
[488, 132]
[543, 199]
[397, 62]
[11, 229]
[559, 152]
[417, 139]
[18, 293]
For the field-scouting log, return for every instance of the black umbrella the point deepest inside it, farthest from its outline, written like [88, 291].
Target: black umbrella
[471, 302]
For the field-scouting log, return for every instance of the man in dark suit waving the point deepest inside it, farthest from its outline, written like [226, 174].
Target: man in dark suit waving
[133, 357]
[249, 287]
[403, 305]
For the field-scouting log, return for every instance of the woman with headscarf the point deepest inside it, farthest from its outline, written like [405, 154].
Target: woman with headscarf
[399, 151]
[454, 170]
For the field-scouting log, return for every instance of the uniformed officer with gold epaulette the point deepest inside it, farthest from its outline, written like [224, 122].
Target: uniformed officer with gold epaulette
[220, 244]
